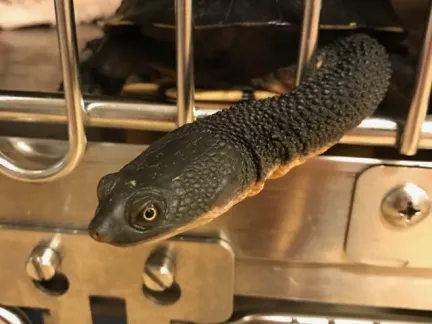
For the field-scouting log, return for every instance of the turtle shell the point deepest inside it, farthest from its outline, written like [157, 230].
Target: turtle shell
[335, 14]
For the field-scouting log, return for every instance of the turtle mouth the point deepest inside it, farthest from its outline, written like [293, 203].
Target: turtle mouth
[133, 237]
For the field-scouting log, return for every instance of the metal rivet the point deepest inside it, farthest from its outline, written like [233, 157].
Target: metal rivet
[405, 205]
[159, 270]
[43, 263]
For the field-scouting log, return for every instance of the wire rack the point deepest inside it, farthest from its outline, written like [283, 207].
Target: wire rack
[409, 136]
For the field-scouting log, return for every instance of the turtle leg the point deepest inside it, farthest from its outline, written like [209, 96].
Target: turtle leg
[99, 73]
[281, 81]
[107, 62]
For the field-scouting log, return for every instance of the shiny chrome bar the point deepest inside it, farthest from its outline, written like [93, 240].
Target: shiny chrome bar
[74, 105]
[419, 104]
[185, 61]
[287, 318]
[47, 108]
[308, 37]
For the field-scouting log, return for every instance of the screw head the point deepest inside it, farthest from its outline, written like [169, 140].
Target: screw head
[159, 271]
[405, 205]
[43, 263]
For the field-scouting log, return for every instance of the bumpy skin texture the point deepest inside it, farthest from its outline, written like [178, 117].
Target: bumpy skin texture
[200, 170]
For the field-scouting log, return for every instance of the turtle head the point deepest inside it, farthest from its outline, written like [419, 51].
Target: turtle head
[132, 209]
[167, 195]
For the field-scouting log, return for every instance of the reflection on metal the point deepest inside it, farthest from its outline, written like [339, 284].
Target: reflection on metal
[12, 316]
[305, 319]
[406, 205]
[205, 272]
[44, 108]
[185, 61]
[74, 104]
[420, 100]
[48, 108]
[309, 38]
[390, 245]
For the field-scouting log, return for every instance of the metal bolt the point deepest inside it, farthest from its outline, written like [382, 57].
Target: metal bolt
[13, 316]
[406, 205]
[43, 263]
[159, 271]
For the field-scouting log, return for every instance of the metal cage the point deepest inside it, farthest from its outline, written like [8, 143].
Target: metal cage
[301, 257]
[415, 133]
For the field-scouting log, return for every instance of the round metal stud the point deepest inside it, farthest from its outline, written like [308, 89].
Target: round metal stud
[406, 205]
[43, 263]
[159, 271]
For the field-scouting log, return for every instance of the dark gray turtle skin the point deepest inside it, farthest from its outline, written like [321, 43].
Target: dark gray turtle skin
[200, 170]
[235, 41]
[223, 13]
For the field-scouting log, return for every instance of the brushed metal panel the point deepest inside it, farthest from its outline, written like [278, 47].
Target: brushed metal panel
[372, 240]
[288, 241]
[205, 274]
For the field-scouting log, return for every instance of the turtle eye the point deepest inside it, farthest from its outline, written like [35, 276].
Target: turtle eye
[146, 216]
[149, 213]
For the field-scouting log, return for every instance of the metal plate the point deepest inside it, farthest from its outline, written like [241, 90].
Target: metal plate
[289, 241]
[205, 274]
[371, 240]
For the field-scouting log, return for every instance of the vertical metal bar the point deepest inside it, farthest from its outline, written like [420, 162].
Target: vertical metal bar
[309, 37]
[185, 61]
[74, 104]
[68, 47]
[419, 105]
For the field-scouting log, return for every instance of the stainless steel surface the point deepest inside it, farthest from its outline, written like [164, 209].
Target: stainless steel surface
[47, 108]
[405, 205]
[43, 263]
[159, 270]
[419, 105]
[281, 318]
[387, 245]
[12, 316]
[205, 275]
[68, 50]
[185, 61]
[289, 241]
[309, 37]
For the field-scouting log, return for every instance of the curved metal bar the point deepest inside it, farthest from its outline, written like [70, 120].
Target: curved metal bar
[419, 105]
[185, 61]
[74, 103]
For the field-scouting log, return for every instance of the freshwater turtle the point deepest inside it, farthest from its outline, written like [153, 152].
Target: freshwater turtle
[199, 171]
[244, 49]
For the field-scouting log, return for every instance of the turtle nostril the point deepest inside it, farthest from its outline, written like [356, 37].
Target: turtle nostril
[95, 232]
[95, 235]
[99, 233]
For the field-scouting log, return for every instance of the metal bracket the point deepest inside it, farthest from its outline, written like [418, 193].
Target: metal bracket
[377, 237]
[204, 273]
